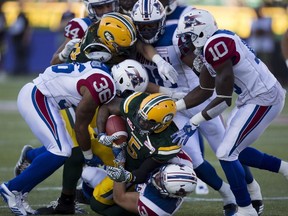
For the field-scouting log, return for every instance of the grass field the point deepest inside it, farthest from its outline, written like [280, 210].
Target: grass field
[14, 134]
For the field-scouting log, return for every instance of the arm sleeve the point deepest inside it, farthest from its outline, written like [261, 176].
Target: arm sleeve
[141, 174]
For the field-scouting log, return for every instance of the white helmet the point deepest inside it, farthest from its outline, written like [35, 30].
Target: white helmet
[129, 75]
[199, 24]
[149, 18]
[169, 5]
[90, 4]
[175, 180]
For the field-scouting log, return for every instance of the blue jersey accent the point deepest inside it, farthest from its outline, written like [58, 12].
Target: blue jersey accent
[166, 38]
[167, 204]
[177, 13]
[87, 20]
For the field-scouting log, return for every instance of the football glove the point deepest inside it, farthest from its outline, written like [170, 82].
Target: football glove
[118, 174]
[63, 55]
[166, 70]
[94, 162]
[174, 93]
[106, 140]
[181, 137]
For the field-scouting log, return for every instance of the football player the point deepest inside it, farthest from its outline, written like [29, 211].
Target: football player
[151, 30]
[231, 65]
[85, 86]
[161, 194]
[148, 144]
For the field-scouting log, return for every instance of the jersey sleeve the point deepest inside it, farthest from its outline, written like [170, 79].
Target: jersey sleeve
[221, 49]
[101, 87]
[76, 28]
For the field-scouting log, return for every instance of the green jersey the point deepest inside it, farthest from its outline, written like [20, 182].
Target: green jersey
[142, 146]
[78, 54]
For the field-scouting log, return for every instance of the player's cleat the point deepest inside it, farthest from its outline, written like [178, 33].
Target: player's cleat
[13, 199]
[22, 163]
[59, 207]
[230, 209]
[201, 188]
[258, 206]
[26, 205]
[246, 211]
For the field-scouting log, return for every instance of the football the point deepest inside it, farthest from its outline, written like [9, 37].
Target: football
[115, 125]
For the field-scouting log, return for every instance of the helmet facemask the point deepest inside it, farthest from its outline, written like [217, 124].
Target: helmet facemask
[94, 5]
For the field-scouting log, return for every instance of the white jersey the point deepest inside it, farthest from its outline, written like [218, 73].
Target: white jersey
[252, 77]
[167, 47]
[62, 83]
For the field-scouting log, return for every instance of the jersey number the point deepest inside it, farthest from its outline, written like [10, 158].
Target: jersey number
[216, 53]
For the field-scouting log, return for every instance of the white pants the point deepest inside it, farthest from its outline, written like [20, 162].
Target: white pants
[44, 120]
[244, 126]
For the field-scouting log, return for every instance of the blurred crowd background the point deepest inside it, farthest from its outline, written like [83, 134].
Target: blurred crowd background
[32, 30]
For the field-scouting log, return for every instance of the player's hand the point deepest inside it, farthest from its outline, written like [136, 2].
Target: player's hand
[181, 137]
[166, 70]
[94, 161]
[106, 140]
[118, 174]
[174, 93]
[63, 55]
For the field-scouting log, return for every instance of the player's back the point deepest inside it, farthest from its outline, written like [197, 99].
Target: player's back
[62, 83]
[252, 77]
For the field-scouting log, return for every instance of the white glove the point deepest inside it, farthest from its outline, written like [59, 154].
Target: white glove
[166, 70]
[174, 93]
[106, 140]
[63, 55]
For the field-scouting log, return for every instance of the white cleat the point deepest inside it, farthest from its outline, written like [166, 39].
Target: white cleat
[201, 188]
[246, 211]
[13, 199]
[22, 163]
[27, 207]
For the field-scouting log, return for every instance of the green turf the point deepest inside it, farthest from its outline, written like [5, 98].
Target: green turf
[14, 134]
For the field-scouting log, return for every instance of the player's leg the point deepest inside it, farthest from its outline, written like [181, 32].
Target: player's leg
[29, 105]
[245, 126]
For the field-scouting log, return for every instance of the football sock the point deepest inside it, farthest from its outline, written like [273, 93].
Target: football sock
[72, 170]
[248, 175]
[254, 158]
[67, 199]
[236, 177]
[41, 168]
[226, 193]
[254, 190]
[207, 174]
[284, 169]
[33, 153]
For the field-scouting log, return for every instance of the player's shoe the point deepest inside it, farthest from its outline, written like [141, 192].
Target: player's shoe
[22, 163]
[258, 205]
[201, 188]
[230, 209]
[59, 207]
[13, 199]
[246, 211]
[28, 208]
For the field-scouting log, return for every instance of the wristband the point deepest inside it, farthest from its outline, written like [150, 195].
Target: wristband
[157, 58]
[287, 62]
[180, 105]
[88, 154]
[61, 57]
[197, 119]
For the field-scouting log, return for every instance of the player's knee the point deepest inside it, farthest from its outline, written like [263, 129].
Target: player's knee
[225, 154]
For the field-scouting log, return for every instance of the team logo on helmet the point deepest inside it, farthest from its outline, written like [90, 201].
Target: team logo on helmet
[108, 36]
[136, 78]
[190, 21]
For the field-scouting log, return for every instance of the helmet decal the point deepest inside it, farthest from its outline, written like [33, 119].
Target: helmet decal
[191, 21]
